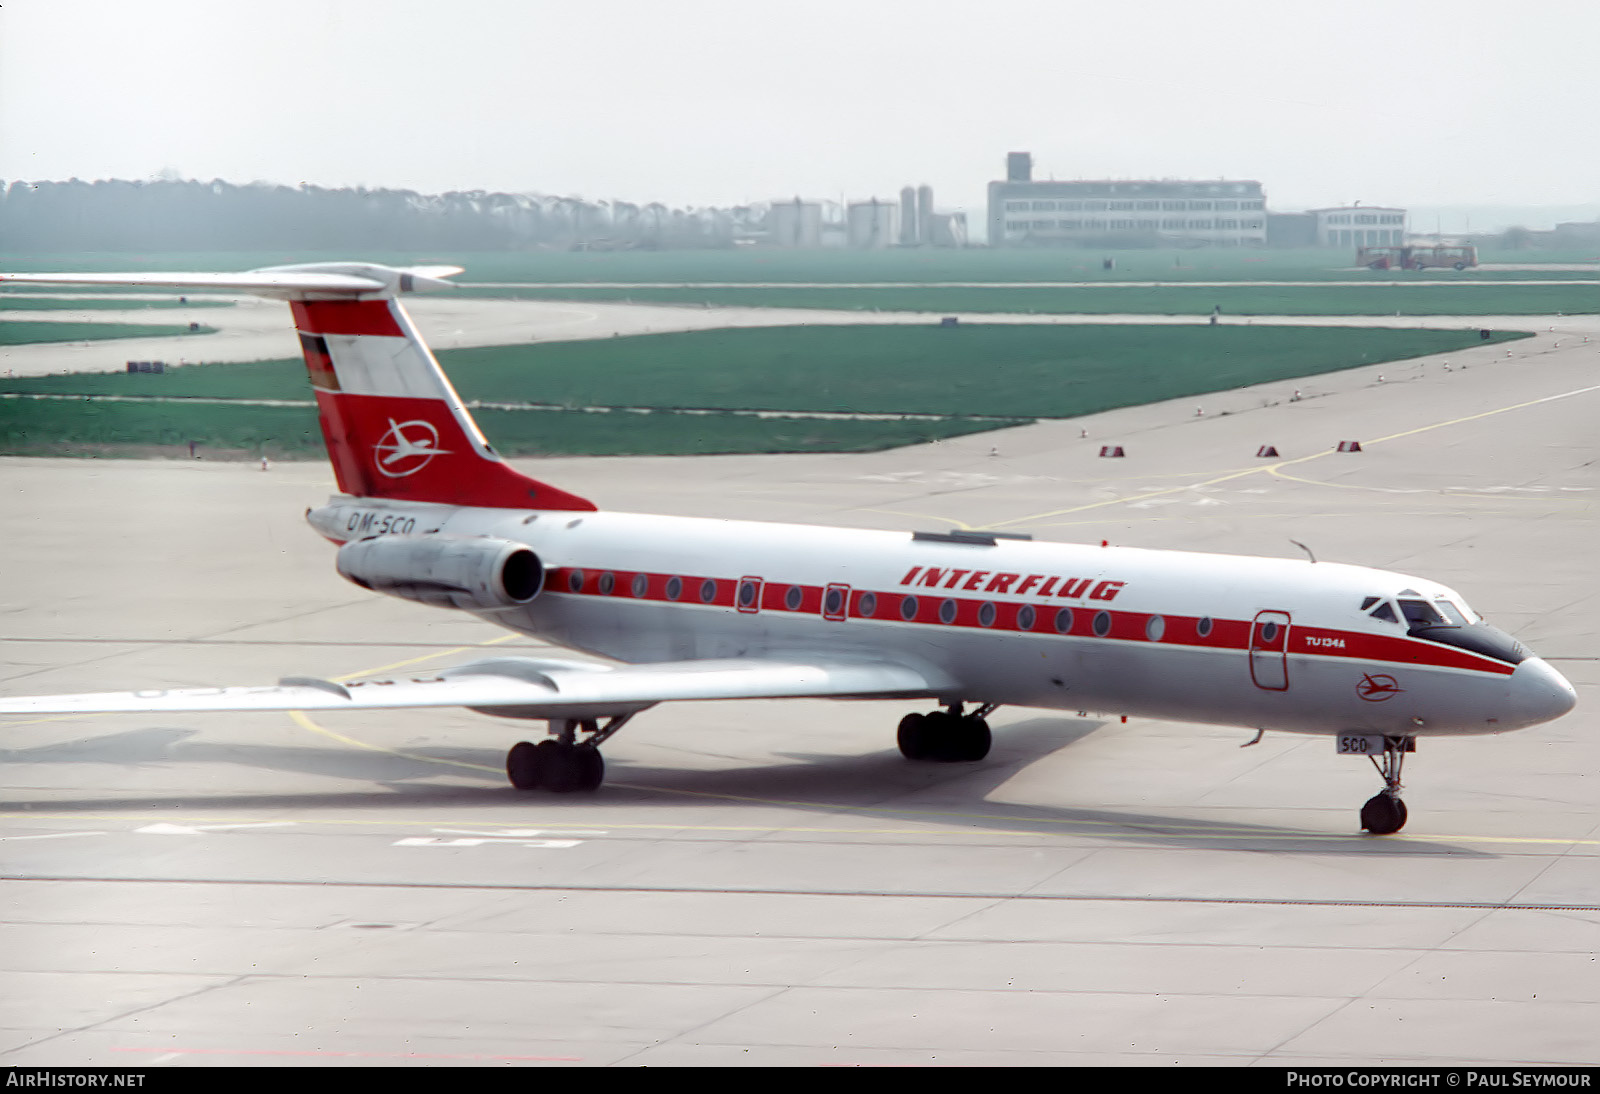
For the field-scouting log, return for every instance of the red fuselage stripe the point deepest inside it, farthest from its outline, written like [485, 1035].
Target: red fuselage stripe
[1085, 621]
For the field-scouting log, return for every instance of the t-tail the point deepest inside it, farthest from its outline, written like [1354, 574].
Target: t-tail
[393, 424]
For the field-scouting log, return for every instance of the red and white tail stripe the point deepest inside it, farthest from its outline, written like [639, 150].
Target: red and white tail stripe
[394, 426]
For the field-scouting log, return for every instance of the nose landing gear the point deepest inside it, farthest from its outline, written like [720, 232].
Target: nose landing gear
[1384, 813]
[946, 736]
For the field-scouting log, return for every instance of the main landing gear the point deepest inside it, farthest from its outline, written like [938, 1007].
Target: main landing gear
[562, 764]
[946, 736]
[1384, 813]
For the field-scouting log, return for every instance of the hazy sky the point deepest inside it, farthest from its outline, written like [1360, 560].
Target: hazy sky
[1403, 102]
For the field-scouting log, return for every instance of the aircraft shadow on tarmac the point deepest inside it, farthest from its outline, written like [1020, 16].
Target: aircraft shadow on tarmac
[880, 784]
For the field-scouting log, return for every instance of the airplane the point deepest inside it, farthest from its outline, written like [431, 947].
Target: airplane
[701, 609]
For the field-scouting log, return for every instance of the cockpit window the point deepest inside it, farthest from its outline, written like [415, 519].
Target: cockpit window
[1385, 612]
[1369, 602]
[1419, 613]
[1444, 622]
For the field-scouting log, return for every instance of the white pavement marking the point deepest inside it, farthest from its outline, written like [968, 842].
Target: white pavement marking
[53, 835]
[431, 841]
[521, 833]
[162, 829]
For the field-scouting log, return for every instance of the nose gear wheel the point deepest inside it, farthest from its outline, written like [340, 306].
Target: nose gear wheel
[1384, 813]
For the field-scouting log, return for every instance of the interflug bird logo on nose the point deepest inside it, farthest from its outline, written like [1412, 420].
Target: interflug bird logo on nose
[1375, 688]
[407, 448]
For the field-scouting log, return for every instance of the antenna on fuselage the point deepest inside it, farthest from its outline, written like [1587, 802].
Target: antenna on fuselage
[1304, 548]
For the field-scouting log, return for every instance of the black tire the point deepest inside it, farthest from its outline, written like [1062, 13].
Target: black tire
[944, 737]
[1383, 815]
[571, 768]
[591, 769]
[1461, 265]
[912, 737]
[561, 767]
[975, 739]
[523, 766]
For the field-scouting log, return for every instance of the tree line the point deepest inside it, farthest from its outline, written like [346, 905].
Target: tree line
[188, 215]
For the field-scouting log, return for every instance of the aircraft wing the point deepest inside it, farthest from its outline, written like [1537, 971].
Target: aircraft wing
[524, 688]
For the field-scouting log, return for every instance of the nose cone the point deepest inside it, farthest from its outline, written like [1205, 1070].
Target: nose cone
[1539, 694]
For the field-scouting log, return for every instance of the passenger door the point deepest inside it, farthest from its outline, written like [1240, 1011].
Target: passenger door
[1269, 651]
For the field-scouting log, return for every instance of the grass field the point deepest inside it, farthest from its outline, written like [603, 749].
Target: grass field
[36, 427]
[1003, 373]
[28, 332]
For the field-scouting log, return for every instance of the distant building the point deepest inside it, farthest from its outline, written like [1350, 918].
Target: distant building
[1584, 232]
[946, 230]
[1123, 213]
[872, 225]
[795, 224]
[863, 225]
[1360, 226]
[924, 215]
[920, 226]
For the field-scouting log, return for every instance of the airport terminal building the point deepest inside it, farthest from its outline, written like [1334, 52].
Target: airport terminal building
[1121, 213]
[1360, 226]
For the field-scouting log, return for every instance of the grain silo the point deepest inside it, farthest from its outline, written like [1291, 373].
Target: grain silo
[795, 223]
[871, 225]
[908, 217]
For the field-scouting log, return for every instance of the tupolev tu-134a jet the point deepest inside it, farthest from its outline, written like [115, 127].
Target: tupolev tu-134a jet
[696, 609]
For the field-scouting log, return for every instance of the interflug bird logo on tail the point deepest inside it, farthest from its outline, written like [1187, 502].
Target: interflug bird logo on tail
[407, 448]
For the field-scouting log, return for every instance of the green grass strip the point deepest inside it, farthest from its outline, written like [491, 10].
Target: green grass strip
[1002, 370]
[972, 377]
[39, 427]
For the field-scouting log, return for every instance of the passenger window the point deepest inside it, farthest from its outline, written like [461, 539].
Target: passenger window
[1385, 612]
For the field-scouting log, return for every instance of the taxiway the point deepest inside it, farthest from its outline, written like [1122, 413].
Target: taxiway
[770, 883]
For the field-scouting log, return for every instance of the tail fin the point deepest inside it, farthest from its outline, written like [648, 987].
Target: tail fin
[394, 426]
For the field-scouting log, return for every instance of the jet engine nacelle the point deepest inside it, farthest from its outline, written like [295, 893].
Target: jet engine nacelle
[473, 573]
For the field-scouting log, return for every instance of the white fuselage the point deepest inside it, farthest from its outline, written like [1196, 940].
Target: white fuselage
[1268, 643]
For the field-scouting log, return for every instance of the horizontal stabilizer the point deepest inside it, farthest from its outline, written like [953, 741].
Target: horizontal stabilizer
[312, 281]
[523, 687]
